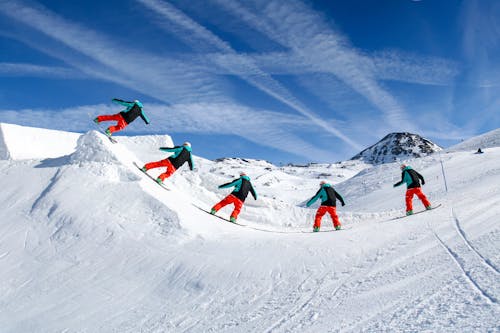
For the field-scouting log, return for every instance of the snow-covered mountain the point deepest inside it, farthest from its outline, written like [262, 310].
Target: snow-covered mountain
[89, 244]
[397, 147]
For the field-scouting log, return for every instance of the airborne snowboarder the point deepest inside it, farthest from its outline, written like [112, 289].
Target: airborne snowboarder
[181, 155]
[328, 205]
[242, 186]
[125, 117]
[412, 180]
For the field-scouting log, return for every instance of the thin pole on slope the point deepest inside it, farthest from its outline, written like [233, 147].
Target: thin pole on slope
[442, 171]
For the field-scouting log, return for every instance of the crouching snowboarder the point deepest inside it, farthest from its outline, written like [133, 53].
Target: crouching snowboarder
[242, 186]
[412, 180]
[328, 198]
[125, 117]
[181, 155]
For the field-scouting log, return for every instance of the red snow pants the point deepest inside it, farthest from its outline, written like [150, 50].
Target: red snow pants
[322, 210]
[230, 199]
[118, 117]
[163, 163]
[409, 198]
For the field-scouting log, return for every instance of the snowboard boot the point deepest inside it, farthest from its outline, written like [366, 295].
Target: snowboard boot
[428, 207]
[108, 132]
[232, 219]
[96, 120]
[213, 211]
[315, 229]
[408, 213]
[338, 227]
[144, 169]
[159, 181]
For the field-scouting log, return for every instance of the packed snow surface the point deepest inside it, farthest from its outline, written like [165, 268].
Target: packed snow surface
[89, 244]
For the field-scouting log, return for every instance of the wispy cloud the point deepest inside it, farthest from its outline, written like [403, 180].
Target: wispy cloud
[404, 67]
[22, 69]
[265, 128]
[387, 65]
[240, 65]
[311, 39]
[481, 39]
[167, 79]
[259, 126]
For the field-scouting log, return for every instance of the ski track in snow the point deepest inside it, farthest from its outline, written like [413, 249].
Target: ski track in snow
[43, 194]
[461, 263]
[462, 234]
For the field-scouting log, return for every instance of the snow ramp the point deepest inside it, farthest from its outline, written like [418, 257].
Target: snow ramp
[95, 197]
[113, 164]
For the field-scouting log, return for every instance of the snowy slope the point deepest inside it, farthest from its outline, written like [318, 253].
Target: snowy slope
[88, 244]
[486, 140]
[396, 147]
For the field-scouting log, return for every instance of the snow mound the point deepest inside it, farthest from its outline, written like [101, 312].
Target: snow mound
[21, 142]
[487, 140]
[93, 147]
[397, 146]
[95, 195]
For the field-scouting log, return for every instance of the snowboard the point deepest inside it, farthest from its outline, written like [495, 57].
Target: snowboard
[99, 128]
[150, 177]
[422, 211]
[220, 217]
[343, 228]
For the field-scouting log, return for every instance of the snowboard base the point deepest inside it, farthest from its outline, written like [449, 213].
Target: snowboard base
[150, 177]
[102, 131]
[220, 217]
[420, 212]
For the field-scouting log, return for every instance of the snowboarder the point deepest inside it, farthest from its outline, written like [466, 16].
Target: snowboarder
[479, 151]
[242, 186]
[328, 205]
[125, 117]
[181, 155]
[411, 178]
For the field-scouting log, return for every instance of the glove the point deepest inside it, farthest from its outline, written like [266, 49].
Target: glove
[423, 182]
[343, 204]
[394, 185]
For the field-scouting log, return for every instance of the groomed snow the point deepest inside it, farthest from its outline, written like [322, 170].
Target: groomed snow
[89, 244]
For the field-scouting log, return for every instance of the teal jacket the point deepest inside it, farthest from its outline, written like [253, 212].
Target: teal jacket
[327, 195]
[242, 186]
[411, 178]
[132, 111]
[181, 155]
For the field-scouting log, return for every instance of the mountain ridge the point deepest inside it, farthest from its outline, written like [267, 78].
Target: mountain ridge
[397, 146]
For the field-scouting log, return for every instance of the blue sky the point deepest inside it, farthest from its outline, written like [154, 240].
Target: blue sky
[285, 81]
